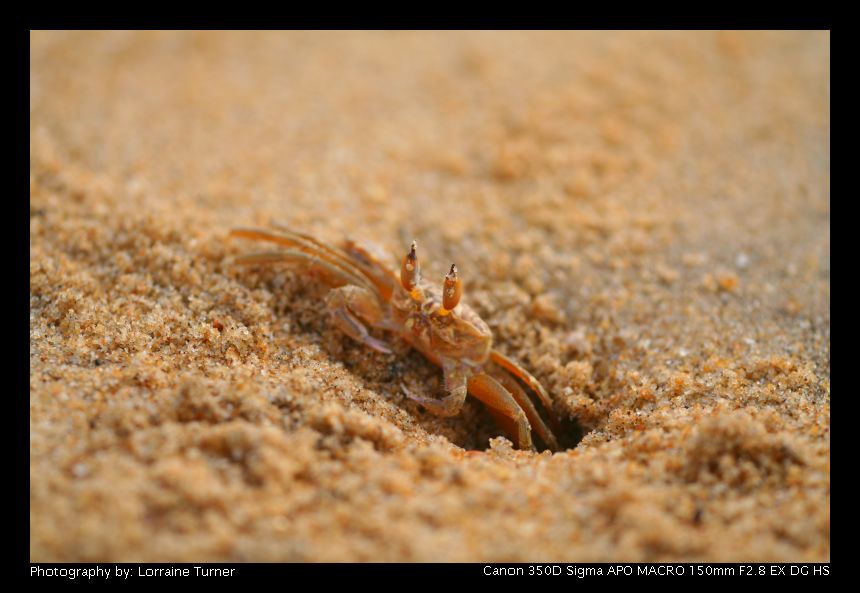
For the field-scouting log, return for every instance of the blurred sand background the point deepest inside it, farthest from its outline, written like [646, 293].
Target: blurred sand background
[643, 219]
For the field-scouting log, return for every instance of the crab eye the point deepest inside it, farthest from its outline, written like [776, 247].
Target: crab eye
[410, 272]
[452, 288]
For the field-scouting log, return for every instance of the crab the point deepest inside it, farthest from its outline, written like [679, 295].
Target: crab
[367, 294]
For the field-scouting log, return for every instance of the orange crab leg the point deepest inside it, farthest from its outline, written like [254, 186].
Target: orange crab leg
[310, 242]
[504, 407]
[312, 253]
[373, 267]
[383, 285]
[352, 306]
[525, 402]
[532, 383]
[346, 276]
[348, 304]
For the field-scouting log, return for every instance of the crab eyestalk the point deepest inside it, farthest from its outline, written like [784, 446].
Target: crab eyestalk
[410, 273]
[452, 288]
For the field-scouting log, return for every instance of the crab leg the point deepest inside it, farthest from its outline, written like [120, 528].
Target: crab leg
[503, 407]
[533, 384]
[525, 402]
[343, 257]
[309, 242]
[305, 244]
[346, 276]
[455, 388]
[320, 251]
[372, 263]
[348, 306]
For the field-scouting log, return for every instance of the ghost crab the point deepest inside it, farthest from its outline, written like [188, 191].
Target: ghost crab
[367, 293]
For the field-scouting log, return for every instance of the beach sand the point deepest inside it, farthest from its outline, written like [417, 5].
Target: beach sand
[642, 219]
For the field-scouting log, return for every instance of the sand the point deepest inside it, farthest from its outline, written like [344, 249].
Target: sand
[643, 220]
